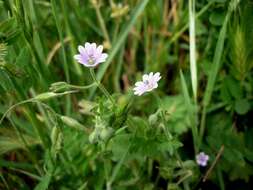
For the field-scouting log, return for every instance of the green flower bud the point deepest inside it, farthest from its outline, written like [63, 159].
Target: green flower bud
[57, 86]
[106, 133]
[72, 122]
[45, 96]
[93, 137]
[56, 139]
[119, 10]
[153, 119]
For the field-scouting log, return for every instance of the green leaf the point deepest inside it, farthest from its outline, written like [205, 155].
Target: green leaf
[44, 183]
[119, 144]
[234, 87]
[9, 31]
[6, 82]
[242, 106]
[170, 146]
[177, 114]
[9, 141]
[217, 18]
[218, 1]
[216, 60]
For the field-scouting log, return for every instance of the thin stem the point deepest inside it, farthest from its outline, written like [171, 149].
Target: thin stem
[214, 163]
[41, 110]
[4, 181]
[37, 128]
[220, 179]
[82, 87]
[202, 124]
[12, 107]
[95, 4]
[101, 87]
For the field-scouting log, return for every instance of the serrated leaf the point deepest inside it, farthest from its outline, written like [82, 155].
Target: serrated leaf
[177, 114]
[119, 145]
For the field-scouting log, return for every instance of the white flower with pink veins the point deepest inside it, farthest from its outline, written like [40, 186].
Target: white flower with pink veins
[90, 55]
[148, 83]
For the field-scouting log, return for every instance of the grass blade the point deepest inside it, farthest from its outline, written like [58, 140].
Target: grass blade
[193, 61]
[44, 183]
[215, 66]
[190, 108]
[63, 52]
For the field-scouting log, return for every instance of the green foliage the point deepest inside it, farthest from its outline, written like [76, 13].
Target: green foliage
[235, 150]
[58, 130]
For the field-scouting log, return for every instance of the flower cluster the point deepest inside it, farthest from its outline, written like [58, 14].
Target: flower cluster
[91, 55]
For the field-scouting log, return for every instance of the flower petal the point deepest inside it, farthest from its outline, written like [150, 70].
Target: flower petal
[138, 83]
[157, 76]
[93, 48]
[102, 58]
[87, 45]
[150, 75]
[81, 49]
[145, 77]
[77, 56]
[99, 49]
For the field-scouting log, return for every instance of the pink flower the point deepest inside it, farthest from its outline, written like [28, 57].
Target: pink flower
[202, 159]
[148, 83]
[90, 55]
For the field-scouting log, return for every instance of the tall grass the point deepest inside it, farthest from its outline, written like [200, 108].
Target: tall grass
[64, 126]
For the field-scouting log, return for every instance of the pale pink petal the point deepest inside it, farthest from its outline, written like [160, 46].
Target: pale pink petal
[157, 76]
[145, 77]
[93, 48]
[150, 75]
[102, 58]
[81, 49]
[87, 45]
[138, 83]
[99, 49]
[77, 57]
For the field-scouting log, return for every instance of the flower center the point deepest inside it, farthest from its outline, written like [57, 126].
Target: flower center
[147, 83]
[91, 59]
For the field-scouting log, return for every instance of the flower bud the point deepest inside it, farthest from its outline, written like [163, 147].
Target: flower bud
[57, 86]
[119, 10]
[56, 139]
[45, 96]
[72, 122]
[153, 119]
[106, 133]
[93, 137]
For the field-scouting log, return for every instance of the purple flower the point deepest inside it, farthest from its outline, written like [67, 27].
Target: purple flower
[148, 83]
[202, 159]
[90, 55]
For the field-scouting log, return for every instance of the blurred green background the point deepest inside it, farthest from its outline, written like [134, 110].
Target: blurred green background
[44, 143]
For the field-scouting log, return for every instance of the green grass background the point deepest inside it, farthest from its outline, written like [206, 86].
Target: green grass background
[204, 52]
